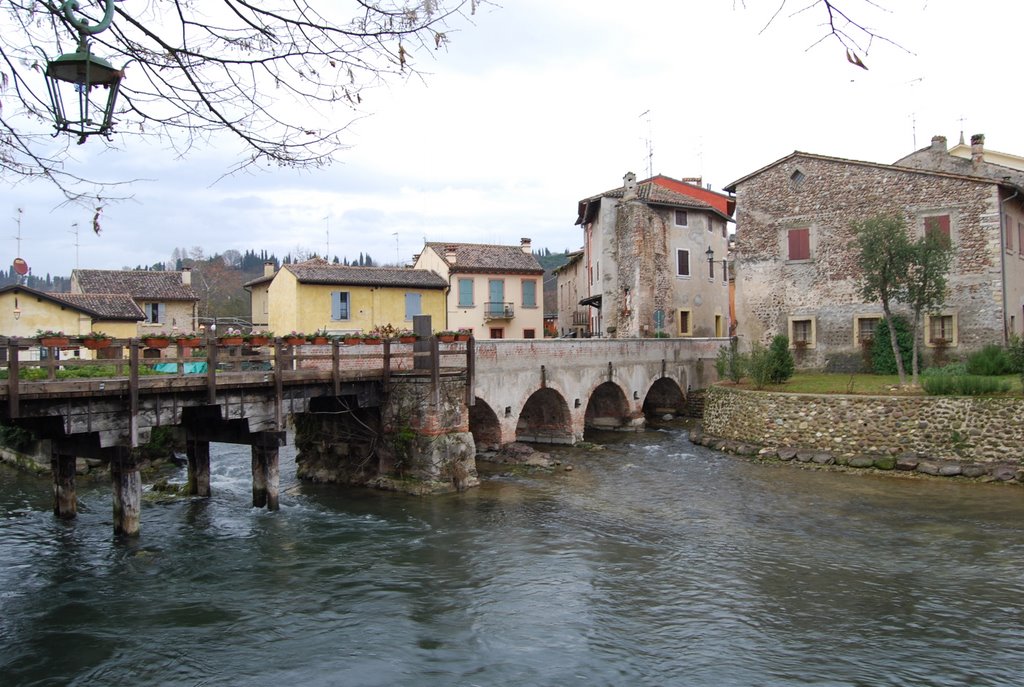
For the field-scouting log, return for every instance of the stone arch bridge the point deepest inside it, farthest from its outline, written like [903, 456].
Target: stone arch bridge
[549, 390]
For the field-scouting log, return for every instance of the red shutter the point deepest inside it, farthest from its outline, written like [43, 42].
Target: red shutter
[937, 223]
[799, 244]
[683, 263]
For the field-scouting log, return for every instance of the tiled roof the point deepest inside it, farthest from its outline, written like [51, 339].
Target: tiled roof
[321, 272]
[111, 306]
[652, 194]
[139, 284]
[489, 258]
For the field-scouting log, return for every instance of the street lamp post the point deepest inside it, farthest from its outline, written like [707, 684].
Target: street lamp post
[75, 76]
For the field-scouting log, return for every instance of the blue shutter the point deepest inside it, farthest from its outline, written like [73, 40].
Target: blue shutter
[530, 294]
[465, 292]
[412, 305]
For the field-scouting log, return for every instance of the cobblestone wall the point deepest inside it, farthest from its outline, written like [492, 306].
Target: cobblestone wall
[921, 430]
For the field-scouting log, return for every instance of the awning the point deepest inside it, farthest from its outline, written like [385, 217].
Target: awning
[593, 301]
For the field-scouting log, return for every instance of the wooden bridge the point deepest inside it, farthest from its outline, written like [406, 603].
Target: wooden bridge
[105, 408]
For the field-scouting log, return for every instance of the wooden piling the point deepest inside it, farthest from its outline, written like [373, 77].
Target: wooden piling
[65, 501]
[198, 453]
[266, 473]
[127, 488]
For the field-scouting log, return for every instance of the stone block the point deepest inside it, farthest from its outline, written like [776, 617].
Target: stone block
[885, 462]
[861, 461]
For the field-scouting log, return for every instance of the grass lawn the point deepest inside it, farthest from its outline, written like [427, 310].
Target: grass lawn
[867, 384]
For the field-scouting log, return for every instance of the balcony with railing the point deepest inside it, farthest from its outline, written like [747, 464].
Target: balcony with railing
[497, 310]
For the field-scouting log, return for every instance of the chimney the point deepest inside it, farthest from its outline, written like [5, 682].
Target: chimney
[449, 254]
[268, 268]
[977, 149]
[629, 186]
[415, 258]
[186, 276]
[938, 146]
[525, 245]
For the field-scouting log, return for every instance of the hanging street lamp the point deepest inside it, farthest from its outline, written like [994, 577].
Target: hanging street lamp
[77, 81]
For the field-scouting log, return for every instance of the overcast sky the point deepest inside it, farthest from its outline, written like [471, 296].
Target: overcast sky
[542, 103]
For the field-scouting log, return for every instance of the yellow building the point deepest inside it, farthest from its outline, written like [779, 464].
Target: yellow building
[167, 300]
[25, 311]
[495, 291]
[316, 295]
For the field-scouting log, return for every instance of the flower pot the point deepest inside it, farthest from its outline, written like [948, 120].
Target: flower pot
[371, 341]
[462, 337]
[446, 338]
[259, 340]
[230, 341]
[321, 341]
[190, 342]
[294, 340]
[152, 342]
[407, 339]
[352, 340]
[54, 341]
[96, 344]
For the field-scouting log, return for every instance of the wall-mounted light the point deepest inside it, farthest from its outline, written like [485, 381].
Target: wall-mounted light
[17, 310]
[711, 254]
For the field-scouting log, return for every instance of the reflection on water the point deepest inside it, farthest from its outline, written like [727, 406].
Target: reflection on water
[653, 562]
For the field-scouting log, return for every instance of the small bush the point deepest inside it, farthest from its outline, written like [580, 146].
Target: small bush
[781, 360]
[883, 362]
[992, 360]
[951, 381]
[730, 363]
[759, 365]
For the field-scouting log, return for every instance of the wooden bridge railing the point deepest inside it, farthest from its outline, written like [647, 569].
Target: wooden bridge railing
[128, 365]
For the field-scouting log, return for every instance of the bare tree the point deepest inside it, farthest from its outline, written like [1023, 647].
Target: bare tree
[283, 79]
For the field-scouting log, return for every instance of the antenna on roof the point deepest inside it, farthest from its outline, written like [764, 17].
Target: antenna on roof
[328, 253]
[74, 230]
[650, 144]
[913, 128]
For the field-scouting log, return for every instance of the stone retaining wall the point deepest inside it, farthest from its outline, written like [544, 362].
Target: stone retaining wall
[938, 435]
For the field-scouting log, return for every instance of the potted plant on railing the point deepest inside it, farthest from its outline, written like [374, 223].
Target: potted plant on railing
[321, 338]
[189, 340]
[231, 337]
[295, 339]
[352, 339]
[259, 338]
[49, 338]
[406, 336]
[156, 340]
[96, 340]
[446, 336]
[463, 334]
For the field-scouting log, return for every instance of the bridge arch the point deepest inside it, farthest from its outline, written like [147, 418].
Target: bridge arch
[484, 426]
[545, 419]
[607, 408]
[664, 396]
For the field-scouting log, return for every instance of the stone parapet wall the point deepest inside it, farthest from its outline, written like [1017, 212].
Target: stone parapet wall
[924, 428]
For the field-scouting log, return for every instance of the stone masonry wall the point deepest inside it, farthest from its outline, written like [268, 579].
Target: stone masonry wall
[928, 430]
[829, 197]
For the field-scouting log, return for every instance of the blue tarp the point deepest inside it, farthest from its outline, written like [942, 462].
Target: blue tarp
[198, 368]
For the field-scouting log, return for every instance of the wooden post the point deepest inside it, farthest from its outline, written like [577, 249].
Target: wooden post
[211, 370]
[266, 475]
[127, 488]
[133, 393]
[13, 375]
[435, 369]
[198, 453]
[471, 371]
[335, 367]
[421, 326]
[65, 502]
[386, 375]
[278, 384]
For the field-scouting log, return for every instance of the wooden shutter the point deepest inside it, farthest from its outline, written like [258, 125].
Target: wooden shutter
[938, 223]
[799, 244]
[683, 263]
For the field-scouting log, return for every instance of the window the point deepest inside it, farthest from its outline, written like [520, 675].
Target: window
[497, 333]
[465, 293]
[799, 244]
[797, 178]
[1020, 237]
[413, 305]
[1009, 233]
[864, 329]
[938, 223]
[155, 312]
[711, 223]
[529, 333]
[802, 332]
[530, 293]
[340, 308]
[685, 323]
[718, 326]
[725, 273]
[942, 329]
[681, 218]
[682, 263]
[711, 269]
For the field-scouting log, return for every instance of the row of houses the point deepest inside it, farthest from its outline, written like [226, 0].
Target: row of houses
[657, 256]
[492, 291]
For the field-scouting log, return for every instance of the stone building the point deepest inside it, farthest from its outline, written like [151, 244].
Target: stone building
[167, 300]
[796, 260]
[655, 259]
[573, 319]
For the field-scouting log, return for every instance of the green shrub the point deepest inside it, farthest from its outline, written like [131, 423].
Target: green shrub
[951, 381]
[759, 365]
[883, 362]
[781, 360]
[730, 363]
[992, 360]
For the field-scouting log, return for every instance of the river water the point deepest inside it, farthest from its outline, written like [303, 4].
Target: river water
[653, 562]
